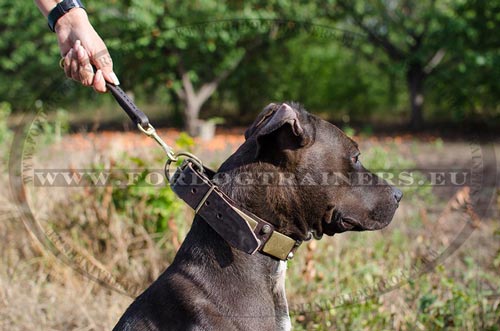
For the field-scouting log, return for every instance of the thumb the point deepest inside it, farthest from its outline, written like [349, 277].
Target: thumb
[102, 60]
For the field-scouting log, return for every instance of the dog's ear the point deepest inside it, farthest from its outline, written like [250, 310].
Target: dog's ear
[264, 115]
[279, 125]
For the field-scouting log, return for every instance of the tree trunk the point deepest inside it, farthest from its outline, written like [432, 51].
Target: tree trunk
[191, 117]
[415, 77]
[193, 100]
[392, 96]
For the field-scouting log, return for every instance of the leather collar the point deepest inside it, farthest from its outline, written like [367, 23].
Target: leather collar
[239, 227]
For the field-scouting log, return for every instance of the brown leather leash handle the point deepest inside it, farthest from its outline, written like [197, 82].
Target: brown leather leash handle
[135, 114]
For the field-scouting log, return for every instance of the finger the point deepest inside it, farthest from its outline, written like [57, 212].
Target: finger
[67, 64]
[99, 83]
[85, 70]
[102, 60]
[75, 71]
[74, 67]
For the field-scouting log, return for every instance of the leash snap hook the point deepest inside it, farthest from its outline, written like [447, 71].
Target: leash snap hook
[150, 131]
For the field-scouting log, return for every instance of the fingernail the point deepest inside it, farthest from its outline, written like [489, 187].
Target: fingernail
[98, 75]
[114, 78]
[77, 44]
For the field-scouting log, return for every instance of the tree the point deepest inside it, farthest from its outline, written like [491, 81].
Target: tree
[26, 72]
[187, 55]
[320, 73]
[409, 33]
[191, 47]
[470, 83]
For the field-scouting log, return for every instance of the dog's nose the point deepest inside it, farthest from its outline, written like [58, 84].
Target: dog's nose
[397, 194]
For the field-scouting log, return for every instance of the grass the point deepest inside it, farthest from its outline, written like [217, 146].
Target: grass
[128, 235]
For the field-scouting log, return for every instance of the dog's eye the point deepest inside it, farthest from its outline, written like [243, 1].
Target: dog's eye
[355, 159]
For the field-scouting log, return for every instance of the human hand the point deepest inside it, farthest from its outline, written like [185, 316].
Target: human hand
[81, 48]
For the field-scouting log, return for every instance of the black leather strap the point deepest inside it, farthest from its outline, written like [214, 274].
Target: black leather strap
[135, 114]
[60, 9]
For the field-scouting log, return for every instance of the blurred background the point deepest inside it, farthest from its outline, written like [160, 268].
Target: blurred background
[416, 83]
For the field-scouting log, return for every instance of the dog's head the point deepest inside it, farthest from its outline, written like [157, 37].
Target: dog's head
[314, 181]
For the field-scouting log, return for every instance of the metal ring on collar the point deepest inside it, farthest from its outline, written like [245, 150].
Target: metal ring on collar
[193, 159]
[198, 165]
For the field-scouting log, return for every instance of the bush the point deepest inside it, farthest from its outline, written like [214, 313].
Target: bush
[5, 132]
[135, 223]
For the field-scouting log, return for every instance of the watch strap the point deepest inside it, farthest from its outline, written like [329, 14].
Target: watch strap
[60, 9]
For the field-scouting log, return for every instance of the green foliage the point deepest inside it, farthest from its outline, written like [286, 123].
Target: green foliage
[136, 209]
[29, 54]
[467, 87]
[443, 299]
[216, 120]
[58, 126]
[154, 205]
[367, 131]
[147, 196]
[52, 126]
[324, 75]
[184, 142]
[5, 132]
[349, 131]
[153, 41]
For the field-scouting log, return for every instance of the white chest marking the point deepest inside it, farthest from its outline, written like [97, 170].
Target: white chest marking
[283, 322]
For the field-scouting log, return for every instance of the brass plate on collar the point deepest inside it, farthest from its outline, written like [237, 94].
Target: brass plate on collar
[279, 245]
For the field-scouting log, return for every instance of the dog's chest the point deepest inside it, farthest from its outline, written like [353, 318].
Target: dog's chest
[283, 322]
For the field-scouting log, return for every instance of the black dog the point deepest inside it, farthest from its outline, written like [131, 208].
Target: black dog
[212, 286]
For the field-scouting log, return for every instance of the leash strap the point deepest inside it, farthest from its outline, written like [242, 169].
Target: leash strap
[135, 114]
[139, 118]
[240, 228]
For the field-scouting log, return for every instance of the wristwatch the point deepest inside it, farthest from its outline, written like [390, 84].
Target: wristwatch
[60, 9]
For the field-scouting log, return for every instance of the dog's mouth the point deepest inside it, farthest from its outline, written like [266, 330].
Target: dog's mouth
[338, 220]
[339, 223]
[342, 223]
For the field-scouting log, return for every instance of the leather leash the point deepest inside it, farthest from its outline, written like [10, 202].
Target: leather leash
[192, 182]
[139, 118]
[135, 114]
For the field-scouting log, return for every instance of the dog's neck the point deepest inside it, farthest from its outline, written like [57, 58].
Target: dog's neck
[261, 275]
[270, 196]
